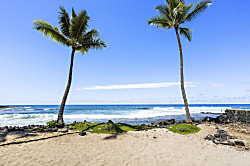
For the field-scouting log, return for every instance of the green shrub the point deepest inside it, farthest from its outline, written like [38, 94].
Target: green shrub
[108, 127]
[184, 128]
[52, 124]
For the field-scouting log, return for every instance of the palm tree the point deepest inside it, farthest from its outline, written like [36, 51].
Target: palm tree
[173, 14]
[73, 34]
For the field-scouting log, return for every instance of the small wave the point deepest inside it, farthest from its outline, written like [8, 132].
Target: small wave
[194, 109]
[164, 108]
[48, 109]
[6, 109]
[27, 116]
[30, 109]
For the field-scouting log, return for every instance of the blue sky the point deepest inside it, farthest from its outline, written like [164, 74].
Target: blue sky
[34, 69]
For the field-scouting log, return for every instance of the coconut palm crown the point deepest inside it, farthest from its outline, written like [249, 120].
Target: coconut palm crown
[173, 14]
[73, 33]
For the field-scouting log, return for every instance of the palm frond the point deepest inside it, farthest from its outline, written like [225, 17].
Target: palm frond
[163, 9]
[79, 24]
[187, 33]
[91, 35]
[160, 22]
[94, 44]
[200, 7]
[73, 15]
[52, 32]
[184, 12]
[178, 11]
[174, 3]
[82, 49]
[64, 22]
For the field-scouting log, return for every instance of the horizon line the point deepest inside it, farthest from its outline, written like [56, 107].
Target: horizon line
[129, 104]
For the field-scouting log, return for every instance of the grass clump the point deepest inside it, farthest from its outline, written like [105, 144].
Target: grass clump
[107, 128]
[184, 128]
[52, 124]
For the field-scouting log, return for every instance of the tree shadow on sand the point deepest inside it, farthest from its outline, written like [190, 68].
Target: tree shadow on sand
[25, 134]
[119, 131]
[113, 130]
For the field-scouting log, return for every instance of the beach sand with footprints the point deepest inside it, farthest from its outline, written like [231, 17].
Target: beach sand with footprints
[152, 147]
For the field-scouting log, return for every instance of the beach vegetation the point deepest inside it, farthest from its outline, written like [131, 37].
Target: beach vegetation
[73, 32]
[184, 128]
[52, 124]
[107, 128]
[174, 14]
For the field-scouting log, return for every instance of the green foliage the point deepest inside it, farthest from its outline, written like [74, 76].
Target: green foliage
[64, 22]
[73, 32]
[79, 24]
[52, 124]
[176, 12]
[50, 31]
[184, 128]
[187, 33]
[108, 128]
[200, 7]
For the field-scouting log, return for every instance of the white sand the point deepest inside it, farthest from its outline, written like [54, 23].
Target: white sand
[132, 148]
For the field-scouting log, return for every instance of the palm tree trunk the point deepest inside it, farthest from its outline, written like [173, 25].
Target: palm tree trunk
[60, 122]
[182, 79]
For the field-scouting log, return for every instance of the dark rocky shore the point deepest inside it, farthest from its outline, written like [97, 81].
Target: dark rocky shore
[230, 116]
[4, 107]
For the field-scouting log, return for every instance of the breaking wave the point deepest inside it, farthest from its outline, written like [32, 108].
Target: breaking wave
[140, 114]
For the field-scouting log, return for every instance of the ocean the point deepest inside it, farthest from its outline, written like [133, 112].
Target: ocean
[131, 114]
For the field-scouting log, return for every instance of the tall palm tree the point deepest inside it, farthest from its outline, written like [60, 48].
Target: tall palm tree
[73, 33]
[173, 14]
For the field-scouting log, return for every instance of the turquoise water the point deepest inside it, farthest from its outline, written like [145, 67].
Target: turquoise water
[132, 114]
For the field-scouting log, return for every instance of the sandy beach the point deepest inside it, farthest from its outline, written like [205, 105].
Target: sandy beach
[152, 147]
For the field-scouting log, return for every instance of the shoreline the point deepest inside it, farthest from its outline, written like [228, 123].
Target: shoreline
[39, 115]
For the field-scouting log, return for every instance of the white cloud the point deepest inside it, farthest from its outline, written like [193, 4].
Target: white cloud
[139, 86]
[217, 85]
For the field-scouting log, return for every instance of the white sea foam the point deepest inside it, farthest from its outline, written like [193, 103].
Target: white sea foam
[26, 119]
[179, 111]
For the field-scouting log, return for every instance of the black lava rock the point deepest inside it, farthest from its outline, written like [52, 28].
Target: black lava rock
[54, 129]
[209, 137]
[205, 119]
[221, 132]
[73, 124]
[232, 137]
[240, 143]
[227, 143]
[219, 139]
[82, 133]
[163, 123]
